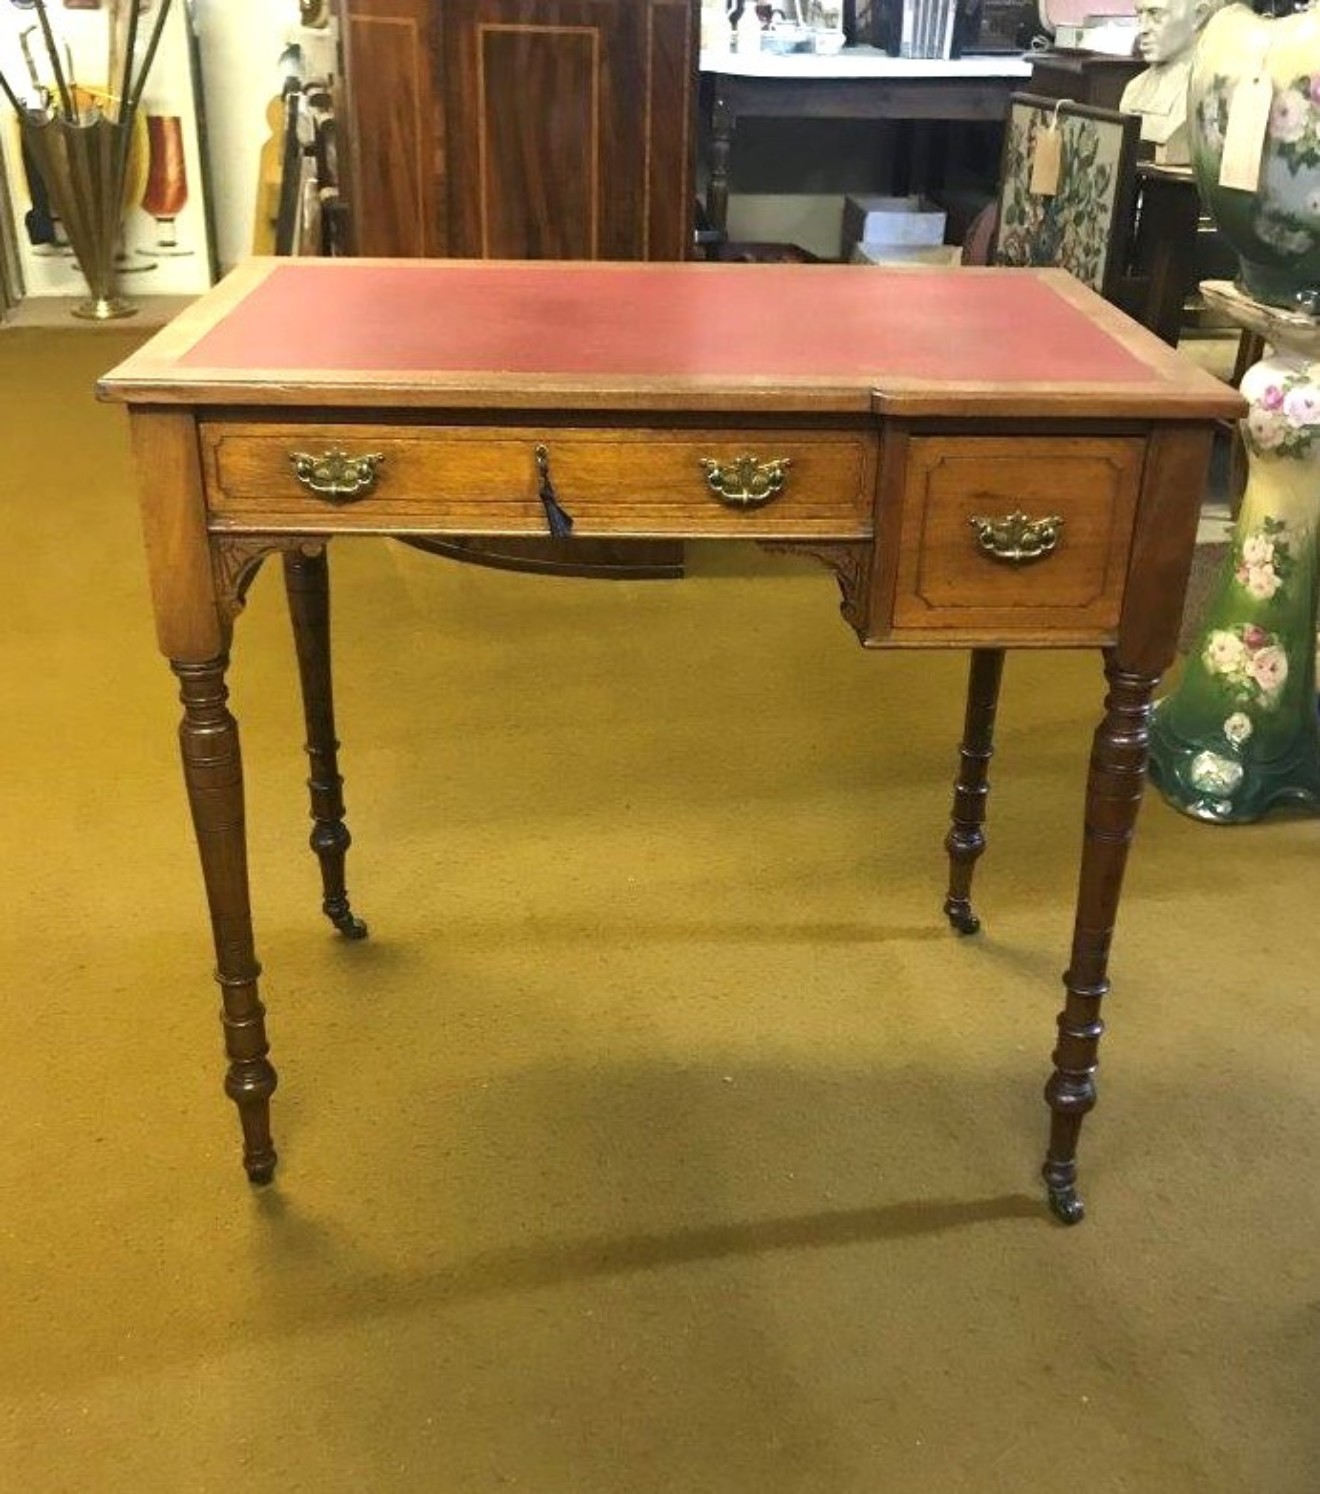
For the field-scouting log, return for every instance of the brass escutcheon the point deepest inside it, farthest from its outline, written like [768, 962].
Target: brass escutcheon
[336, 476]
[1017, 538]
[744, 482]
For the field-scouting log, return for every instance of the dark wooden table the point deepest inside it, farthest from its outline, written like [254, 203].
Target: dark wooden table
[1083, 77]
[860, 83]
[985, 458]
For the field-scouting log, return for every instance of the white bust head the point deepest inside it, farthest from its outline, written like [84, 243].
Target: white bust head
[1166, 29]
[1166, 36]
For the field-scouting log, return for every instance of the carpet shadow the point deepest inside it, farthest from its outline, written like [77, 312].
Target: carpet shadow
[552, 1263]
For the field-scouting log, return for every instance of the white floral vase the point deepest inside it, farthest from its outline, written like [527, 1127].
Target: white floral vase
[1274, 230]
[1240, 733]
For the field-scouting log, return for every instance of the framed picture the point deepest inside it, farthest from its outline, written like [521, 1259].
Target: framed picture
[1067, 202]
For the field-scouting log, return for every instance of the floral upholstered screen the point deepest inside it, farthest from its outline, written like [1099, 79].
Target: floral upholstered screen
[1084, 224]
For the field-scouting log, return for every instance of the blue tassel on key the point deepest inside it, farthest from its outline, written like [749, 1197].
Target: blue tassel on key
[561, 523]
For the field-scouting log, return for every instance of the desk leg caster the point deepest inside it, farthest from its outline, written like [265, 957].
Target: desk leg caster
[348, 923]
[958, 910]
[307, 586]
[330, 840]
[1070, 1094]
[260, 1166]
[1065, 1205]
[250, 1083]
[1061, 1192]
[966, 838]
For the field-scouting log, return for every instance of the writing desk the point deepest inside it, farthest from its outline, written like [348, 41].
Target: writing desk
[985, 459]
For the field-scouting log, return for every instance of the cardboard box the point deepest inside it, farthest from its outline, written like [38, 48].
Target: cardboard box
[905, 254]
[891, 220]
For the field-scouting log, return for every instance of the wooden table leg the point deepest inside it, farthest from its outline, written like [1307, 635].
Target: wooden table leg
[307, 585]
[720, 146]
[966, 838]
[213, 771]
[1113, 796]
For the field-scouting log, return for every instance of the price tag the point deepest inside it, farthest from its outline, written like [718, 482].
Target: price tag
[1244, 137]
[1046, 161]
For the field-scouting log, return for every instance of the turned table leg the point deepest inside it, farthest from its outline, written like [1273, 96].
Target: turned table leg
[966, 838]
[1113, 796]
[307, 585]
[213, 771]
[720, 146]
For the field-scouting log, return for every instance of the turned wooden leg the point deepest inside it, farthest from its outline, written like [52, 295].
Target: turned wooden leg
[1113, 796]
[719, 146]
[213, 771]
[307, 584]
[966, 838]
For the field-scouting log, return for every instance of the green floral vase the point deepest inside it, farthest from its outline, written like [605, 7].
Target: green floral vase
[1275, 230]
[1241, 734]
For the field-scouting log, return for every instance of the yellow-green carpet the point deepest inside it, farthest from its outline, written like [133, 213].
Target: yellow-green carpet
[661, 1137]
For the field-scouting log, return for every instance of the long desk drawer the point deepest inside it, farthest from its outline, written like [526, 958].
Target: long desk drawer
[487, 480]
[1016, 536]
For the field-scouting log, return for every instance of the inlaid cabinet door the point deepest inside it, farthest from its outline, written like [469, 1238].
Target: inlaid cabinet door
[394, 127]
[522, 129]
[570, 127]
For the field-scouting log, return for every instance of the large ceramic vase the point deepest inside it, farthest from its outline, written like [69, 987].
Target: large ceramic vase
[1274, 230]
[1240, 734]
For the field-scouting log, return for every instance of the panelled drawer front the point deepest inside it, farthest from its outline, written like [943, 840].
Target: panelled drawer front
[476, 479]
[948, 580]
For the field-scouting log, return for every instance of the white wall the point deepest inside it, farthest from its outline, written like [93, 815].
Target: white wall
[240, 43]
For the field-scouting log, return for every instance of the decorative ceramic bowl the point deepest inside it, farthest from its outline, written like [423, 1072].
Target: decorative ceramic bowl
[1275, 230]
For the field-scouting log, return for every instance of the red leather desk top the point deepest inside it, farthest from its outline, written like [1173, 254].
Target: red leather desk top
[663, 337]
[768, 321]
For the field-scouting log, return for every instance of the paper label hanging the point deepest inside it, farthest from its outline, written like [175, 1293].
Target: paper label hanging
[1244, 137]
[1046, 161]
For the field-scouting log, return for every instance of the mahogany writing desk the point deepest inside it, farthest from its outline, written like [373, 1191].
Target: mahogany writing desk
[985, 458]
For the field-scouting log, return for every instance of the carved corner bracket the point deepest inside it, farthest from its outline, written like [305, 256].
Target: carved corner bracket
[236, 559]
[851, 563]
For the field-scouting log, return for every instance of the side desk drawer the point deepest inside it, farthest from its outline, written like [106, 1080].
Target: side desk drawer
[486, 480]
[1018, 536]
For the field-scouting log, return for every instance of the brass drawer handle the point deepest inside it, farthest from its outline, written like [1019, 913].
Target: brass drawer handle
[744, 482]
[1017, 538]
[336, 476]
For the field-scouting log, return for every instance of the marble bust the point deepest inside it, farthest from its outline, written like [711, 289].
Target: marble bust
[1166, 37]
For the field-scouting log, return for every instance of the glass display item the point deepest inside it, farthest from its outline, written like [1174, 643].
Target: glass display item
[166, 193]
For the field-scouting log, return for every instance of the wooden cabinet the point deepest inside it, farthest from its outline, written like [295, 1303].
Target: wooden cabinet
[522, 129]
[1084, 77]
[393, 128]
